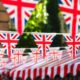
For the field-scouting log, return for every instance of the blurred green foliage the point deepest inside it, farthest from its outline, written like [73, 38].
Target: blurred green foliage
[38, 19]
[26, 41]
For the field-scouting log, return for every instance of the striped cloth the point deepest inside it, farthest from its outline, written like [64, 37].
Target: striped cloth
[51, 70]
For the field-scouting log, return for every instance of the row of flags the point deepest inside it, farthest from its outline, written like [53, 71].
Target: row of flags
[9, 41]
[53, 56]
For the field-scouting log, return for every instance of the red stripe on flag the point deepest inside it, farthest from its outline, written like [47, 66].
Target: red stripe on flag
[23, 75]
[34, 74]
[78, 39]
[8, 73]
[10, 13]
[37, 37]
[12, 75]
[19, 3]
[46, 70]
[52, 72]
[65, 70]
[29, 72]
[2, 36]
[20, 17]
[18, 73]
[67, 19]
[58, 70]
[68, 38]
[27, 14]
[40, 72]
[49, 37]
[71, 68]
[67, 2]
[15, 36]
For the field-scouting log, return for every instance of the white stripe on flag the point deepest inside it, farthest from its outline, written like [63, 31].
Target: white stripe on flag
[62, 70]
[14, 76]
[49, 70]
[20, 74]
[31, 75]
[26, 71]
[69, 66]
[43, 72]
[75, 68]
[55, 70]
[37, 71]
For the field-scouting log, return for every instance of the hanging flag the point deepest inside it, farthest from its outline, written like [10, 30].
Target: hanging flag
[72, 45]
[9, 41]
[20, 11]
[43, 40]
[71, 12]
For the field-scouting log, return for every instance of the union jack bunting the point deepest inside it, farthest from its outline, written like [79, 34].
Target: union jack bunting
[19, 11]
[9, 40]
[72, 45]
[43, 40]
[71, 12]
[17, 54]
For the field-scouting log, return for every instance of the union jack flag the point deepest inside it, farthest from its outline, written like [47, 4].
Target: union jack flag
[43, 40]
[9, 40]
[19, 11]
[71, 12]
[72, 45]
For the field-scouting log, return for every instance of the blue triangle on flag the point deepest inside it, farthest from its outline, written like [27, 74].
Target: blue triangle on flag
[12, 34]
[4, 34]
[71, 0]
[68, 26]
[59, 1]
[13, 20]
[25, 21]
